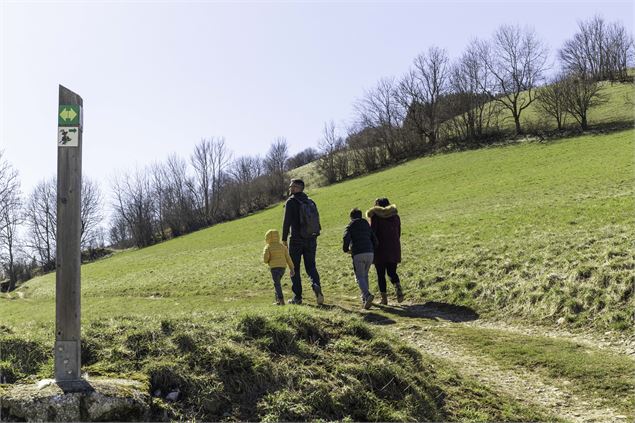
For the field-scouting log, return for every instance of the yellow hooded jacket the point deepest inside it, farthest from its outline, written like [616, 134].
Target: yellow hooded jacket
[275, 253]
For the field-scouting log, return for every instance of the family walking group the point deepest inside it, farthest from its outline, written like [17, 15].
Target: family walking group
[377, 242]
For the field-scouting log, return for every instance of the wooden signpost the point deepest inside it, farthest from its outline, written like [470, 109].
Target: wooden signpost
[67, 287]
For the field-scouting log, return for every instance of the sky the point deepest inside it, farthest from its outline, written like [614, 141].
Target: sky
[156, 77]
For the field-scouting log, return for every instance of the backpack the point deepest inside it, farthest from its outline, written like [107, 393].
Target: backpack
[309, 219]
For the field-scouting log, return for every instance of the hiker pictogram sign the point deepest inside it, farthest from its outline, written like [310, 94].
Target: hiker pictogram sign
[68, 136]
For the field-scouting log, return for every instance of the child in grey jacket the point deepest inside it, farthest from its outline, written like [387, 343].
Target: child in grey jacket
[360, 241]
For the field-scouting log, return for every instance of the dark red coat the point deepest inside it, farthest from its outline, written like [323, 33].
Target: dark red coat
[386, 224]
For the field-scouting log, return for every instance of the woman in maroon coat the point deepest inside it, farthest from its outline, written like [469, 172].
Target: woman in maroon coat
[386, 224]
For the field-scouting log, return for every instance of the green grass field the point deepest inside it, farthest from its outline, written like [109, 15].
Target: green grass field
[617, 109]
[538, 231]
[533, 232]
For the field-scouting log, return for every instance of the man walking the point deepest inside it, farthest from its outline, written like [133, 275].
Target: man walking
[302, 223]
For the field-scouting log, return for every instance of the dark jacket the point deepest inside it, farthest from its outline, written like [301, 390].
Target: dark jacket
[291, 222]
[386, 225]
[359, 237]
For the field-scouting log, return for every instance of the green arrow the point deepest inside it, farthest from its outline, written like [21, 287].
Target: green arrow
[72, 130]
[68, 114]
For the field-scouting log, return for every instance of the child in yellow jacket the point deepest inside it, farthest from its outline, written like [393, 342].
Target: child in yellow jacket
[277, 257]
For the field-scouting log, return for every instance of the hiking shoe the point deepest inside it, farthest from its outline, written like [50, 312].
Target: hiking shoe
[295, 300]
[399, 292]
[369, 301]
[279, 301]
[384, 298]
[319, 297]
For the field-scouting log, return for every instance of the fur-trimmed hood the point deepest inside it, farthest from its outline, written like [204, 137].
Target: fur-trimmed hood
[383, 212]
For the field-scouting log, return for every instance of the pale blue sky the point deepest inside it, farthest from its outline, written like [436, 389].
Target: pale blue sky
[156, 77]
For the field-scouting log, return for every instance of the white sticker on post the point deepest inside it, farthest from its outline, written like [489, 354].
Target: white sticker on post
[68, 136]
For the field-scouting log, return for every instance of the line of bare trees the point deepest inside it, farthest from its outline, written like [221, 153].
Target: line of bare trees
[28, 225]
[440, 104]
[177, 196]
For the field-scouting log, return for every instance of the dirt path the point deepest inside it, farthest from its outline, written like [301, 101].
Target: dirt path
[520, 383]
[618, 344]
[609, 342]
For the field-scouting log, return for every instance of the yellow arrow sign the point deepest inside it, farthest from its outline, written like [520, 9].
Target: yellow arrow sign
[68, 114]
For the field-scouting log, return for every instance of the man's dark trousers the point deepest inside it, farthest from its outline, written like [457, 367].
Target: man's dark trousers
[304, 248]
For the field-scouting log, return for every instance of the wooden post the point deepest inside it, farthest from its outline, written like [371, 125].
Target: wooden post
[67, 286]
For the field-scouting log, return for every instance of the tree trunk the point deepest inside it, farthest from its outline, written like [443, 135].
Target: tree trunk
[519, 130]
[583, 123]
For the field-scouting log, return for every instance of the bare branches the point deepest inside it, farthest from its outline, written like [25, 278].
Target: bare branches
[516, 59]
[41, 222]
[552, 100]
[380, 110]
[333, 163]
[425, 85]
[598, 51]
[275, 165]
[580, 95]
[9, 186]
[10, 218]
[133, 204]
[91, 213]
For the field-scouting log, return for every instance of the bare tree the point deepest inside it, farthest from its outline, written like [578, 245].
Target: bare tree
[41, 222]
[421, 91]
[9, 185]
[580, 95]
[10, 218]
[181, 215]
[119, 234]
[220, 159]
[470, 82]
[302, 158]
[244, 171]
[160, 184]
[361, 155]
[91, 214]
[275, 165]
[620, 52]
[381, 110]
[598, 50]
[133, 204]
[516, 60]
[211, 159]
[201, 160]
[330, 146]
[40, 216]
[552, 100]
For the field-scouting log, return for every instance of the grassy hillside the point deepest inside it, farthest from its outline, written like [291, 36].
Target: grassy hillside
[616, 110]
[538, 231]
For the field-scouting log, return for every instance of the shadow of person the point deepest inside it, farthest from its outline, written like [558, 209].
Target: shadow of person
[377, 319]
[433, 310]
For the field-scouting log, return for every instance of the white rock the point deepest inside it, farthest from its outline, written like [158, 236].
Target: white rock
[560, 321]
[172, 396]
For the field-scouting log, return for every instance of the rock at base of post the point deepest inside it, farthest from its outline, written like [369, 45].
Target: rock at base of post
[99, 400]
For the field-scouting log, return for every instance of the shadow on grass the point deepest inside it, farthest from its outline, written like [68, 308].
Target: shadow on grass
[431, 310]
[377, 319]
[434, 311]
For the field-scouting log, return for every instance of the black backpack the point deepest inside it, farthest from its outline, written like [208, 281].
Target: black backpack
[309, 219]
